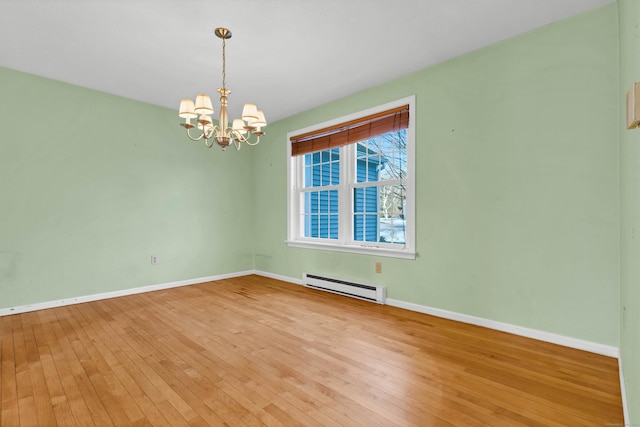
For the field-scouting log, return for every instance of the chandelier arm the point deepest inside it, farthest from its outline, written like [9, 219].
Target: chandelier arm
[210, 136]
[254, 143]
[192, 138]
[237, 136]
[212, 131]
[246, 139]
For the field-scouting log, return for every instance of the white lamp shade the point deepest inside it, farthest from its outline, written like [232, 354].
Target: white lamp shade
[250, 112]
[203, 104]
[238, 126]
[187, 110]
[204, 122]
[260, 121]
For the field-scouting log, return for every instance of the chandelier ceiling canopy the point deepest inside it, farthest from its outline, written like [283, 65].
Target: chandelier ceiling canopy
[247, 129]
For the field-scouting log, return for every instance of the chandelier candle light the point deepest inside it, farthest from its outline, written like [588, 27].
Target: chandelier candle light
[241, 130]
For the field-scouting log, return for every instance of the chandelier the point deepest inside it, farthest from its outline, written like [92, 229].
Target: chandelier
[241, 130]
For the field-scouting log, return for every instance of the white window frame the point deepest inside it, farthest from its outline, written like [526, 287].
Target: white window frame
[345, 242]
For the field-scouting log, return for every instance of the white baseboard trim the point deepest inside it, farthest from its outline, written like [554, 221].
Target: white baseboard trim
[95, 297]
[623, 392]
[278, 277]
[576, 343]
[479, 321]
[565, 341]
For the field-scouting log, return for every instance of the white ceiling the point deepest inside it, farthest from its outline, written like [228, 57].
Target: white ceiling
[285, 55]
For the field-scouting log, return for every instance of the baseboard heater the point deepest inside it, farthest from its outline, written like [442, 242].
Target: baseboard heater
[351, 289]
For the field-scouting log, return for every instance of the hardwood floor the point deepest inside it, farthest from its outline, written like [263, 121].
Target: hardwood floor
[256, 351]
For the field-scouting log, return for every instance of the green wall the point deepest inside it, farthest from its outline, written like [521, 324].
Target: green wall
[629, 17]
[527, 194]
[92, 185]
[517, 184]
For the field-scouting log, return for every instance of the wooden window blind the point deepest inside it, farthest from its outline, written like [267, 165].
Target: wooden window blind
[351, 131]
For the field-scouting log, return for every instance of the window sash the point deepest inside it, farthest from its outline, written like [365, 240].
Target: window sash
[361, 212]
[314, 221]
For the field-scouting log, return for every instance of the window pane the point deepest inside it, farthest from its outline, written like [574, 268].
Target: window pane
[378, 214]
[382, 158]
[310, 214]
[367, 163]
[308, 176]
[315, 177]
[371, 228]
[365, 200]
[393, 201]
[358, 200]
[324, 201]
[319, 219]
[333, 201]
[333, 226]
[365, 227]
[358, 227]
[322, 168]
[324, 226]
[371, 199]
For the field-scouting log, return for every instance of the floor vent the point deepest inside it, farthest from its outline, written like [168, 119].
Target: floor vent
[356, 290]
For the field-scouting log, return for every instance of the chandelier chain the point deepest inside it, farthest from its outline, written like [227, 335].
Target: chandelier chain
[224, 65]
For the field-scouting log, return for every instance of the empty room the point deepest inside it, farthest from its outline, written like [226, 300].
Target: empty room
[320, 213]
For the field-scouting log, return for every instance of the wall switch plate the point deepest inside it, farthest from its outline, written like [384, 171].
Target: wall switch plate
[378, 267]
[154, 259]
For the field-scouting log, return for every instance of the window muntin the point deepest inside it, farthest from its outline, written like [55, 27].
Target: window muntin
[355, 197]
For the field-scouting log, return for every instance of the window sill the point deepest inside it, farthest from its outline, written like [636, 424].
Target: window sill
[363, 250]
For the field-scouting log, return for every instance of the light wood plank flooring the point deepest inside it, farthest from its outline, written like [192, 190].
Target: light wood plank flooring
[256, 351]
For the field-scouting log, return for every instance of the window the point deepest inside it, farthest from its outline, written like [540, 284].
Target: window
[351, 183]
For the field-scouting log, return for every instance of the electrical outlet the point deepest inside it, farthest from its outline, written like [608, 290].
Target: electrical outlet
[378, 267]
[154, 259]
